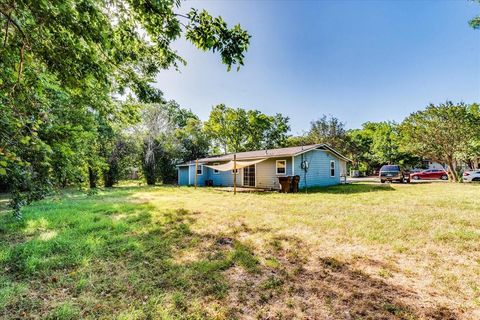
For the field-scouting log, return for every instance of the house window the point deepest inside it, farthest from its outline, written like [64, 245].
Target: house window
[332, 168]
[281, 166]
[215, 171]
[200, 170]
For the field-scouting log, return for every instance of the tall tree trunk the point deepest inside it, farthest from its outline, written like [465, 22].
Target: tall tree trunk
[470, 164]
[452, 171]
[92, 178]
[150, 173]
[108, 179]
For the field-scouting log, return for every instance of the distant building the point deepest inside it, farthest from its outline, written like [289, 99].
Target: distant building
[428, 164]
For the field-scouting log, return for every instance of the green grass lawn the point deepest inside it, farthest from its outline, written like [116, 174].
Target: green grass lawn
[346, 252]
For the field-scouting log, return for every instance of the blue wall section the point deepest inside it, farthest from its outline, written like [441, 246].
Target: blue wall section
[183, 176]
[221, 179]
[224, 178]
[200, 178]
[318, 173]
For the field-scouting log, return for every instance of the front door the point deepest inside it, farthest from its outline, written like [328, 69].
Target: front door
[249, 176]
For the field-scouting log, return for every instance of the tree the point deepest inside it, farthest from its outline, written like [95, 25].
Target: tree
[227, 126]
[155, 124]
[359, 143]
[236, 130]
[475, 21]
[327, 129]
[385, 145]
[170, 135]
[446, 133]
[276, 135]
[64, 61]
[124, 155]
[192, 140]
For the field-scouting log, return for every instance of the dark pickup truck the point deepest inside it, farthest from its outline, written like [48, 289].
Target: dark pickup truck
[393, 173]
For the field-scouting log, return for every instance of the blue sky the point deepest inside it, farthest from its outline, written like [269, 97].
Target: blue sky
[357, 60]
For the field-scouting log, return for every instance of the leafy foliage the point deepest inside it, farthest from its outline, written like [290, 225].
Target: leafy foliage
[327, 129]
[448, 133]
[475, 21]
[61, 65]
[236, 130]
[376, 143]
[169, 135]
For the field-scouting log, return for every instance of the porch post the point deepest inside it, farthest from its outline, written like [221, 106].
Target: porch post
[234, 174]
[196, 173]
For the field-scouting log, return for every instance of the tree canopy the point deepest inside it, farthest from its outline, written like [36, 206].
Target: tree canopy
[448, 133]
[237, 129]
[63, 66]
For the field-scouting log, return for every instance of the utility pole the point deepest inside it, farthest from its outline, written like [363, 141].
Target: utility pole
[196, 173]
[234, 174]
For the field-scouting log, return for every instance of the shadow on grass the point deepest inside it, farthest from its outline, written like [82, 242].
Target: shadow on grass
[88, 259]
[291, 285]
[350, 188]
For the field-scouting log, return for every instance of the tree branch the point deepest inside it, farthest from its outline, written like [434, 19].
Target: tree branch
[15, 24]
[6, 30]
[20, 66]
[181, 15]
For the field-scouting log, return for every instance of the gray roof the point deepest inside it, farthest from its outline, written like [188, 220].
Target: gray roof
[270, 153]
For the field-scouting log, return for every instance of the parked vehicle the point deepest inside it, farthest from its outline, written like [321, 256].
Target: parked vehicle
[393, 173]
[472, 175]
[430, 174]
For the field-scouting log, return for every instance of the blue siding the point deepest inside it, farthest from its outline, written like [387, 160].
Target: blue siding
[220, 179]
[225, 178]
[318, 173]
[183, 176]
[200, 178]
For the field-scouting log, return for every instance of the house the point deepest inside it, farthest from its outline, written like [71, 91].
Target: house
[429, 164]
[472, 164]
[317, 165]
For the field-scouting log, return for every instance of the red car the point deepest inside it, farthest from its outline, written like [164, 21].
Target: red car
[430, 174]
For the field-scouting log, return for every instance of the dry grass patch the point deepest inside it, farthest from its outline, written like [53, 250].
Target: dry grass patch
[361, 251]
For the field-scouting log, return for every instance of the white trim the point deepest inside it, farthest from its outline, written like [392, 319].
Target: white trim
[276, 167]
[327, 149]
[200, 166]
[330, 168]
[293, 165]
[216, 164]
[189, 183]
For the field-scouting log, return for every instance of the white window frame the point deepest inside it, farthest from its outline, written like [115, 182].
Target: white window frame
[215, 171]
[255, 176]
[276, 167]
[200, 166]
[334, 168]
